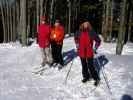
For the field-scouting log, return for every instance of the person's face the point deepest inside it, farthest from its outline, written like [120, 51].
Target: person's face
[85, 24]
[57, 24]
[43, 22]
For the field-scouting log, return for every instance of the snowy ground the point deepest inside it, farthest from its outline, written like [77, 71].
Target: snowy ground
[17, 82]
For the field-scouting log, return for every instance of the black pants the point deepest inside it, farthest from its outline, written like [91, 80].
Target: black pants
[57, 53]
[88, 69]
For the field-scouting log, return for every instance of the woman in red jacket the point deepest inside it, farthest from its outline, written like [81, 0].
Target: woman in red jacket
[86, 51]
[44, 41]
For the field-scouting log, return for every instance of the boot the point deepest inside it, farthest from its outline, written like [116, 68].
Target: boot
[97, 82]
[84, 80]
[59, 66]
[43, 64]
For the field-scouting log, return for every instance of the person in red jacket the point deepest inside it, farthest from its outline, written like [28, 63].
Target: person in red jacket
[44, 31]
[85, 41]
[57, 37]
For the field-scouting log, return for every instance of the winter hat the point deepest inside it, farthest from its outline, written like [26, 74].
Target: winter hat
[83, 18]
[57, 21]
[43, 18]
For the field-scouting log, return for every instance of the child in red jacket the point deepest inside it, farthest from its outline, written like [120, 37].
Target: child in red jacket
[44, 31]
[86, 51]
[57, 37]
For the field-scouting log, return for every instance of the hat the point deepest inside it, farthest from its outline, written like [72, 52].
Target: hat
[43, 18]
[57, 21]
[83, 18]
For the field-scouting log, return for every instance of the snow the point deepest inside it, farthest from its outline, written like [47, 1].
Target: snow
[17, 82]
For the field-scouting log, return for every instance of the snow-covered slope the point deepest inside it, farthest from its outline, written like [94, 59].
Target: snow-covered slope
[17, 82]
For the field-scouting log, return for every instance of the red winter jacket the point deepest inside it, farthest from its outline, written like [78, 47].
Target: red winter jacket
[57, 34]
[44, 35]
[86, 40]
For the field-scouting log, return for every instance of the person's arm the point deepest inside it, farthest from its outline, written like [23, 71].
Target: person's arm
[61, 34]
[97, 40]
[76, 39]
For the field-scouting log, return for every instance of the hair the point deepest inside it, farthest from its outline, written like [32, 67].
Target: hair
[85, 26]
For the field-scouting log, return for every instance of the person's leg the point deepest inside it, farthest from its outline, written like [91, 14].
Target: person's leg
[56, 53]
[93, 71]
[85, 71]
[48, 56]
[43, 54]
[53, 50]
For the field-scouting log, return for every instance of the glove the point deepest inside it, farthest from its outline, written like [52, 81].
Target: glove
[95, 50]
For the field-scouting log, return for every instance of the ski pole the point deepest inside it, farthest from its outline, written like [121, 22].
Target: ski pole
[105, 77]
[68, 72]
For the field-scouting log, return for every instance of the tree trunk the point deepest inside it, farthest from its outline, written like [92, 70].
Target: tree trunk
[121, 34]
[51, 11]
[104, 21]
[110, 20]
[107, 30]
[7, 21]
[74, 15]
[41, 7]
[18, 28]
[55, 10]
[66, 22]
[3, 22]
[28, 24]
[37, 12]
[23, 22]
[14, 23]
[11, 25]
[69, 17]
[129, 28]
[45, 8]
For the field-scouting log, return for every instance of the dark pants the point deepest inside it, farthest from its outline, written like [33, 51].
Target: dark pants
[57, 53]
[88, 69]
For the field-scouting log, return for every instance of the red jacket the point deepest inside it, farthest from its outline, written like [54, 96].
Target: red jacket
[57, 34]
[44, 35]
[86, 40]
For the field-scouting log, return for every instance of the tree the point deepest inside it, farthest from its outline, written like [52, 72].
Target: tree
[129, 28]
[121, 34]
[20, 18]
[69, 17]
[23, 21]
[45, 7]
[37, 12]
[41, 7]
[129, 24]
[7, 20]
[3, 20]
[51, 11]
[107, 20]
[14, 22]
